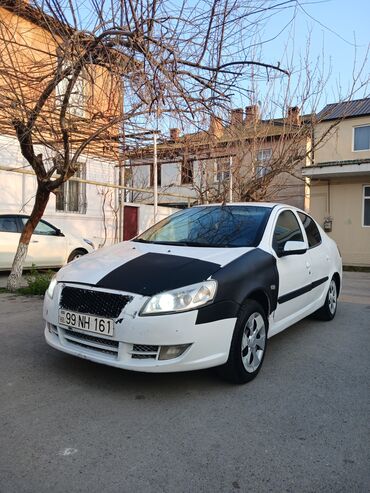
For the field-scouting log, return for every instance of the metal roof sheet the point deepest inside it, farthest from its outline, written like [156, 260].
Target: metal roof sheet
[347, 109]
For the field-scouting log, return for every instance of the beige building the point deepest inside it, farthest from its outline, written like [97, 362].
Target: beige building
[241, 158]
[338, 191]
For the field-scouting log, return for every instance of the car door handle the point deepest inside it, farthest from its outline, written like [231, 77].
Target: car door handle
[34, 241]
[308, 265]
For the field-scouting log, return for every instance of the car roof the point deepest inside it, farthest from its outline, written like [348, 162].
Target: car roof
[270, 205]
[13, 214]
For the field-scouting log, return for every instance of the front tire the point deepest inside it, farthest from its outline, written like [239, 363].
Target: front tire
[248, 345]
[329, 309]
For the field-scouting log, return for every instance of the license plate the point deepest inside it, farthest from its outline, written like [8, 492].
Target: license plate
[98, 325]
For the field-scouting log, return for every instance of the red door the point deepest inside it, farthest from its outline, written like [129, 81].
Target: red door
[130, 222]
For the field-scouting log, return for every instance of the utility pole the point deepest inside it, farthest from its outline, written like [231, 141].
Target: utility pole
[155, 176]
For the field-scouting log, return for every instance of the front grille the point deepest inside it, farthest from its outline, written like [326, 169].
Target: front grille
[91, 302]
[107, 346]
[144, 351]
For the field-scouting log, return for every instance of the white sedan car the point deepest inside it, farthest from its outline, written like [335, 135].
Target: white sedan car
[49, 246]
[205, 287]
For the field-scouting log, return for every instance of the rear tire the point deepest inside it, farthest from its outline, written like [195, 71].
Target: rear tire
[77, 254]
[248, 345]
[328, 310]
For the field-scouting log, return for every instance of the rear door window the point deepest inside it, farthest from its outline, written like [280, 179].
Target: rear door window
[9, 224]
[312, 231]
[42, 228]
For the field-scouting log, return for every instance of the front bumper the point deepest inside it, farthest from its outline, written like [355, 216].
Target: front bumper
[138, 340]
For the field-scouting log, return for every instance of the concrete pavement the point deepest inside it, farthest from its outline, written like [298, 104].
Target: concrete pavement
[302, 426]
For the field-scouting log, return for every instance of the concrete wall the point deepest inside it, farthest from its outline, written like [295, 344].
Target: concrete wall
[342, 199]
[338, 145]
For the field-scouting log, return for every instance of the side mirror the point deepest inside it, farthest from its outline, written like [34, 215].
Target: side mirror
[293, 248]
[59, 232]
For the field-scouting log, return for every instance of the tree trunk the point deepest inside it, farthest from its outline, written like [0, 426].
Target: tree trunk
[42, 198]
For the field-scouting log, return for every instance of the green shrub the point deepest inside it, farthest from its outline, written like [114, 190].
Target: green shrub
[37, 282]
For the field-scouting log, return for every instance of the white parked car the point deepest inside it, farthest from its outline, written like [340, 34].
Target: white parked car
[49, 246]
[205, 287]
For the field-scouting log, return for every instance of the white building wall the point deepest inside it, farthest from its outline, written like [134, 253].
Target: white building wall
[17, 193]
[171, 174]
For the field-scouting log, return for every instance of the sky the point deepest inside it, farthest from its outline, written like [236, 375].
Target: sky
[339, 33]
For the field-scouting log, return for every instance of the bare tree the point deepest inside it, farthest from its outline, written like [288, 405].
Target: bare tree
[71, 74]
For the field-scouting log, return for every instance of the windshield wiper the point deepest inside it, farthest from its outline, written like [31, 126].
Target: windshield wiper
[197, 244]
[139, 240]
[182, 243]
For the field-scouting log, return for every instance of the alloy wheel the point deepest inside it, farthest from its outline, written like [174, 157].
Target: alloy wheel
[253, 342]
[332, 297]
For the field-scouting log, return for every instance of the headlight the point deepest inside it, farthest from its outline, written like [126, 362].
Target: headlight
[182, 299]
[53, 283]
[89, 243]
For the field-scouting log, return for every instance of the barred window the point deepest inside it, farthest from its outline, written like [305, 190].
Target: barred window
[71, 196]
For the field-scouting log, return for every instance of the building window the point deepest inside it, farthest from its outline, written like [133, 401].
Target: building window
[77, 99]
[361, 139]
[222, 169]
[366, 221]
[262, 166]
[186, 171]
[71, 196]
[159, 175]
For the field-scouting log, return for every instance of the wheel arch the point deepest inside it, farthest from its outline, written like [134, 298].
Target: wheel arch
[75, 250]
[336, 278]
[262, 298]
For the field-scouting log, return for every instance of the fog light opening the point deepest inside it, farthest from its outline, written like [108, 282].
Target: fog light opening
[171, 352]
[53, 329]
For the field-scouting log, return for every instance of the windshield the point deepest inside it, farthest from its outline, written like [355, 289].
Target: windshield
[216, 226]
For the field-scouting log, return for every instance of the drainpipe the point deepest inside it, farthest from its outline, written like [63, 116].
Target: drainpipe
[231, 179]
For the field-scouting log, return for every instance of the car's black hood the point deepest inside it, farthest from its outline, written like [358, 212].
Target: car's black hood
[148, 269]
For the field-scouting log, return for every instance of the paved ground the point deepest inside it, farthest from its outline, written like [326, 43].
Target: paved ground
[301, 426]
